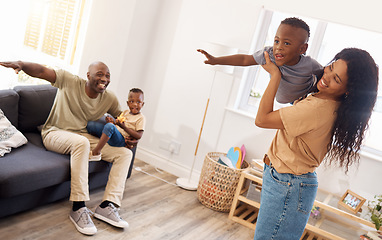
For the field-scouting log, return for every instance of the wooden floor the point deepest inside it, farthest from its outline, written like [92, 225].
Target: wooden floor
[154, 209]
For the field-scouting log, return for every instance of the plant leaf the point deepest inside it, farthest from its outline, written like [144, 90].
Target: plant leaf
[376, 221]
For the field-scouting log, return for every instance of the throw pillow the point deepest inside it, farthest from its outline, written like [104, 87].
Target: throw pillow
[10, 137]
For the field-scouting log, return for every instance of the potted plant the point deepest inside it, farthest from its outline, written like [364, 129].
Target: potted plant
[375, 211]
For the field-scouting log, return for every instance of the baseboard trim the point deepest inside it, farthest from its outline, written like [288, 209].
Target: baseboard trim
[165, 164]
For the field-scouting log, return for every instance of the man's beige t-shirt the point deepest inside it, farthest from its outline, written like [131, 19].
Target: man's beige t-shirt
[73, 108]
[136, 122]
[301, 146]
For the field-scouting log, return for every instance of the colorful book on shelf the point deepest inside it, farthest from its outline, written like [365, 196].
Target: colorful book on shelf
[375, 235]
[364, 237]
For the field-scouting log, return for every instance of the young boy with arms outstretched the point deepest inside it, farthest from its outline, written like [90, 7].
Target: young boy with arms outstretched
[288, 53]
[128, 127]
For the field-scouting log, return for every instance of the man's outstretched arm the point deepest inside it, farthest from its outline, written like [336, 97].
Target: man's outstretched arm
[32, 69]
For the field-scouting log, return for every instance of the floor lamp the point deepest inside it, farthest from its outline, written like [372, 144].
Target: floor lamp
[214, 49]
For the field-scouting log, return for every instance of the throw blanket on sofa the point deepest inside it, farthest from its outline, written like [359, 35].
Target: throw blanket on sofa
[10, 137]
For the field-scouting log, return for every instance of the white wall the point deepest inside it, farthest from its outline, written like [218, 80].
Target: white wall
[152, 44]
[13, 15]
[107, 35]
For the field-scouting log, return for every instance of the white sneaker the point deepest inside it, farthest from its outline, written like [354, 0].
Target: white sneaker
[94, 157]
[82, 221]
[110, 215]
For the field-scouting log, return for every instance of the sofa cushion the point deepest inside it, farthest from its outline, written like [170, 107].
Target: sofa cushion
[31, 167]
[95, 166]
[34, 105]
[35, 138]
[9, 100]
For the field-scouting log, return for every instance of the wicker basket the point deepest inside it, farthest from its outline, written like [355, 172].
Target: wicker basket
[217, 183]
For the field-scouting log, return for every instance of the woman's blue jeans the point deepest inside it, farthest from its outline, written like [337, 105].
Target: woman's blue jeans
[286, 202]
[97, 128]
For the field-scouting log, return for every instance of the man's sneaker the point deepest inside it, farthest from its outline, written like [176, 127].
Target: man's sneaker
[81, 219]
[110, 215]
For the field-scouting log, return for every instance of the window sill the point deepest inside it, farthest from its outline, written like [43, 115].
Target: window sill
[372, 154]
[241, 112]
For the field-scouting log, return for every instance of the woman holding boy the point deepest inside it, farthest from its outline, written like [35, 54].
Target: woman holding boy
[328, 123]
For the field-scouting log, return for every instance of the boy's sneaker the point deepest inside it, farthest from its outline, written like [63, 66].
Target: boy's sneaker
[110, 215]
[94, 157]
[82, 221]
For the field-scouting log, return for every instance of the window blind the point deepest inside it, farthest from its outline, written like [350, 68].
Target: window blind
[49, 26]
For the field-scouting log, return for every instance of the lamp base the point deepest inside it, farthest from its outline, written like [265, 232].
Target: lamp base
[187, 184]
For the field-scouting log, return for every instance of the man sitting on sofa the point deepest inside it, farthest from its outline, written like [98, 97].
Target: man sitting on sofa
[77, 102]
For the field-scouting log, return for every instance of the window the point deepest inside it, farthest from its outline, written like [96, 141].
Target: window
[49, 25]
[50, 35]
[326, 39]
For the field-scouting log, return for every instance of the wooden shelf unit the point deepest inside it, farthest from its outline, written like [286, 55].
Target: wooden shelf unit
[245, 211]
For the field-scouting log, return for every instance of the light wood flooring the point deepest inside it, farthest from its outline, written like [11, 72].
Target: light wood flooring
[154, 209]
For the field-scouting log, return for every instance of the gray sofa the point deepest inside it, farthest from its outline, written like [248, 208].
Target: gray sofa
[30, 175]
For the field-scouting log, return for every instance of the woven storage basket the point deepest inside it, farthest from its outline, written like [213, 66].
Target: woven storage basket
[217, 183]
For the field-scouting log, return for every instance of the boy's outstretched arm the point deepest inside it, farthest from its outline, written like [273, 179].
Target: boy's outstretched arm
[32, 69]
[234, 60]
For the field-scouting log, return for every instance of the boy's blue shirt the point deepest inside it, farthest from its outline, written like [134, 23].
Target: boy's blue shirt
[297, 80]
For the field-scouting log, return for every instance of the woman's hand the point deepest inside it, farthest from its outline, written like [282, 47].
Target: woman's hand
[266, 117]
[269, 66]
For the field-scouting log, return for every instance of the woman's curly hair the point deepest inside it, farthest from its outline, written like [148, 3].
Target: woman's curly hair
[355, 108]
